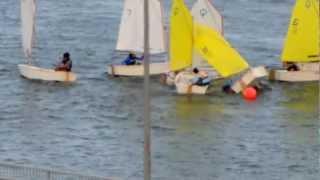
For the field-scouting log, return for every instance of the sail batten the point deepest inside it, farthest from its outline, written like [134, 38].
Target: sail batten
[302, 43]
[131, 38]
[28, 15]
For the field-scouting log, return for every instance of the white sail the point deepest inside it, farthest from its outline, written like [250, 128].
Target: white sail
[28, 13]
[131, 33]
[205, 13]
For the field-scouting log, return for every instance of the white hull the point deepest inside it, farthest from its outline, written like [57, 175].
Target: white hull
[294, 76]
[169, 78]
[248, 78]
[137, 70]
[312, 66]
[36, 73]
[191, 89]
[183, 83]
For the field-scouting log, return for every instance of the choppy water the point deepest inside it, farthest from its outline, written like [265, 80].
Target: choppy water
[96, 125]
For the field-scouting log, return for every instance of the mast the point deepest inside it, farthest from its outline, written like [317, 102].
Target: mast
[147, 121]
[318, 6]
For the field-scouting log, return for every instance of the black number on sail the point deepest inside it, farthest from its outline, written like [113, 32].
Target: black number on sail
[205, 50]
[176, 11]
[313, 56]
[203, 12]
[295, 24]
[308, 4]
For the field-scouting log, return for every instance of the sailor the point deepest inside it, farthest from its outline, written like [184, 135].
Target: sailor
[290, 66]
[227, 89]
[65, 64]
[202, 78]
[132, 59]
[259, 86]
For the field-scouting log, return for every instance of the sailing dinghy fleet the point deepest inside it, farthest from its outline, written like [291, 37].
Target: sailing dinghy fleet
[28, 28]
[195, 40]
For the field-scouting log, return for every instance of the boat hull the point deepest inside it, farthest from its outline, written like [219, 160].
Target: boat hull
[36, 73]
[169, 78]
[294, 76]
[191, 89]
[137, 70]
[249, 77]
[183, 83]
[311, 66]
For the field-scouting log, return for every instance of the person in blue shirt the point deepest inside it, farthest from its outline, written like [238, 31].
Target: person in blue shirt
[201, 77]
[132, 59]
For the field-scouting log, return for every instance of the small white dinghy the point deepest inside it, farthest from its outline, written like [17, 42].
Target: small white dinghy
[302, 45]
[131, 37]
[36, 73]
[28, 15]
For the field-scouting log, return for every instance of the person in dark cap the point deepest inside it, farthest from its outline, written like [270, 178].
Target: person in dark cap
[65, 64]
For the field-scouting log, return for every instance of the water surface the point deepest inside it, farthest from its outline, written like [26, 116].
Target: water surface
[96, 125]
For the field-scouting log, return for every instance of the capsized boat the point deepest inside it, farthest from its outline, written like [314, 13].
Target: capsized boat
[224, 58]
[248, 77]
[301, 52]
[29, 71]
[131, 37]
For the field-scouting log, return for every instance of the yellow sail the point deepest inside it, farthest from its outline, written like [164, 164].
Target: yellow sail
[180, 36]
[302, 42]
[217, 51]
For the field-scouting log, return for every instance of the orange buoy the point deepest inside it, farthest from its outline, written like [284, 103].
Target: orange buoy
[249, 93]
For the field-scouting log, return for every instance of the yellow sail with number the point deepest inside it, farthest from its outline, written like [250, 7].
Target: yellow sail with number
[303, 40]
[180, 36]
[217, 51]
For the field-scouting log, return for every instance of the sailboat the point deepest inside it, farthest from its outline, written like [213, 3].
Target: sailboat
[205, 13]
[28, 18]
[131, 37]
[301, 52]
[187, 35]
